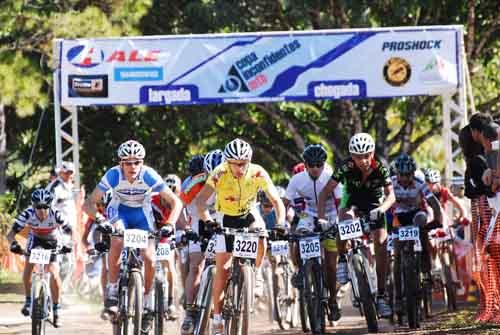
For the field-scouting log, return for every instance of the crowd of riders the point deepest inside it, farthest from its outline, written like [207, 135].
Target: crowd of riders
[225, 189]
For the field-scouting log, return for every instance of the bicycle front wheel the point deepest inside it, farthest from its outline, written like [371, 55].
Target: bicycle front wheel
[38, 312]
[135, 293]
[365, 295]
[282, 290]
[159, 307]
[314, 295]
[205, 291]
[242, 300]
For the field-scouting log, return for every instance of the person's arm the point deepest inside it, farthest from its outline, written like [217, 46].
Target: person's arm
[456, 202]
[390, 198]
[11, 236]
[175, 205]
[90, 204]
[272, 194]
[201, 202]
[325, 193]
[436, 208]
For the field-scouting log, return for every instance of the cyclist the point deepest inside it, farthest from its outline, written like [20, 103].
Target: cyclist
[161, 212]
[307, 185]
[236, 183]
[45, 223]
[131, 183]
[189, 195]
[93, 241]
[365, 182]
[442, 193]
[412, 196]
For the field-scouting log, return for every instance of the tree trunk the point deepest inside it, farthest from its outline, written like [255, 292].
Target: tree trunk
[3, 150]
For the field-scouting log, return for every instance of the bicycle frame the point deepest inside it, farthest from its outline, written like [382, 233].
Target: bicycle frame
[359, 247]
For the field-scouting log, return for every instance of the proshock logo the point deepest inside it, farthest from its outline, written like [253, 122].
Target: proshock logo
[247, 74]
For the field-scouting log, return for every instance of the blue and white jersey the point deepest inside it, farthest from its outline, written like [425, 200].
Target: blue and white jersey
[136, 194]
[46, 229]
[131, 202]
[409, 198]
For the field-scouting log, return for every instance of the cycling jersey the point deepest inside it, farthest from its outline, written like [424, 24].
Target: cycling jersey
[367, 194]
[47, 229]
[237, 196]
[131, 202]
[160, 212]
[303, 186]
[64, 199]
[409, 198]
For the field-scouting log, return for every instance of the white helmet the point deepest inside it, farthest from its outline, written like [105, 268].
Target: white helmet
[239, 150]
[432, 176]
[173, 182]
[212, 160]
[361, 143]
[67, 167]
[131, 149]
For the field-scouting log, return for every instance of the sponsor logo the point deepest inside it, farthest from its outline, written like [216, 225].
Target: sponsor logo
[138, 73]
[247, 73]
[437, 70]
[90, 86]
[336, 89]
[397, 71]
[166, 95]
[411, 45]
[85, 56]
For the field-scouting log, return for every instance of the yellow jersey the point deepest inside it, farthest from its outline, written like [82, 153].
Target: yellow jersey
[237, 196]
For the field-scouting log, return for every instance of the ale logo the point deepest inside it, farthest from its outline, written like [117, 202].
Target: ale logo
[234, 82]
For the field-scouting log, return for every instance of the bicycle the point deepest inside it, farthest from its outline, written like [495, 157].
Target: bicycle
[361, 268]
[128, 318]
[41, 300]
[239, 294]
[313, 292]
[284, 294]
[446, 278]
[410, 276]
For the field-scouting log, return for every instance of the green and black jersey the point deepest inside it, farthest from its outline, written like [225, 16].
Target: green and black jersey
[365, 195]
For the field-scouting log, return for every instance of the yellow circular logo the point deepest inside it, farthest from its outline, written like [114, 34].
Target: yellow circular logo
[397, 71]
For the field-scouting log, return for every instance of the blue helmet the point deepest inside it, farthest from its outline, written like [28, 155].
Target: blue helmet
[212, 160]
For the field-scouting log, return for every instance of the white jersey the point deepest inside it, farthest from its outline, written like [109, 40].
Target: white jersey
[409, 198]
[64, 199]
[303, 186]
[47, 229]
[136, 194]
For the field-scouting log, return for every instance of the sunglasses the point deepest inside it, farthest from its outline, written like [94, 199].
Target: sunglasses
[315, 165]
[239, 164]
[132, 163]
[42, 206]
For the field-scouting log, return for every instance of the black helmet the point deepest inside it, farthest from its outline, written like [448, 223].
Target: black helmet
[314, 154]
[405, 164]
[195, 165]
[41, 196]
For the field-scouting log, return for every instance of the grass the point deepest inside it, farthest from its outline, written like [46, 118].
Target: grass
[463, 322]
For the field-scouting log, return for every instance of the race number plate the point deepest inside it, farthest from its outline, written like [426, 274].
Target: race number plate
[349, 229]
[409, 233]
[245, 246]
[210, 252]
[40, 256]
[279, 248]
[310, 248]
[135, 238]
[163, 252]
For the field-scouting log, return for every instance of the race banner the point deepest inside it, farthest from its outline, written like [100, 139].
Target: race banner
[254, 67]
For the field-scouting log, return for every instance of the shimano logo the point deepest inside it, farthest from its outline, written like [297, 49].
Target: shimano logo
[411, 45]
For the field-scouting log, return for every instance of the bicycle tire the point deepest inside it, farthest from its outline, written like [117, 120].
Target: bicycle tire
[314, 294]
[427, 300]
[450, 290]
[242, 299]
[159, 307]
[365, 295]
[304, 320]
[203, 320]
[410, 271]
[37, 314]
[390, 288]
[135, 293]
[281, 298]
